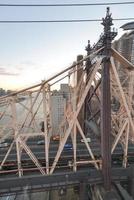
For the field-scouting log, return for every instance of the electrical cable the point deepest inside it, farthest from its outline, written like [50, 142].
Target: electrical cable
[62, 21]
[66, 4]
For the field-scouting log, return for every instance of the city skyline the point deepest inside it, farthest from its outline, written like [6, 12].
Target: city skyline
[30, 53]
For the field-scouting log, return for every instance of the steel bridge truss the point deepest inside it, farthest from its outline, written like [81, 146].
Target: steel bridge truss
[22, 125]
[22, 130]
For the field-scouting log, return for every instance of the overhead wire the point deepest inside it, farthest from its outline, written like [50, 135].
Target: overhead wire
[62, 21]
[66, 4]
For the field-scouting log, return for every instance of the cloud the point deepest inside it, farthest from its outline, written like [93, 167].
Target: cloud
[18, 70]
[21, 75]
[4, 72]
[24, 66]
[28, 62]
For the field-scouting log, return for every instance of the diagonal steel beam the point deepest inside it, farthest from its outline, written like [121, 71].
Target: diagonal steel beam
[75, 115]
[32, 156]
[87, 145]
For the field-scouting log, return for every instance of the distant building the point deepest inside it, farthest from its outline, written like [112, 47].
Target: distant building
[2, 92]
[125, 46]
[128, 26]
[65, 91]
[59, 100]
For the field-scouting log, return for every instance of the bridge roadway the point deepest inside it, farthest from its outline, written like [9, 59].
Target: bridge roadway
[10, 166]
[67, 154]
[39, 150]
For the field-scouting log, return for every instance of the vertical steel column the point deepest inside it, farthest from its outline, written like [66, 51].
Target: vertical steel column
[45, 128]
[74, 104]
[88, 61]
[106, 104]
[87, 113]
[79, 75]
[74, 132]
[50, 115]
[31, 109]
[15, 128]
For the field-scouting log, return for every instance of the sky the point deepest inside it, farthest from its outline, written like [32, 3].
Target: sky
[30, 53]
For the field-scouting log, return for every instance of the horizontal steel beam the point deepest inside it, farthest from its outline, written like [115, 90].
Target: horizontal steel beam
[37, 182]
